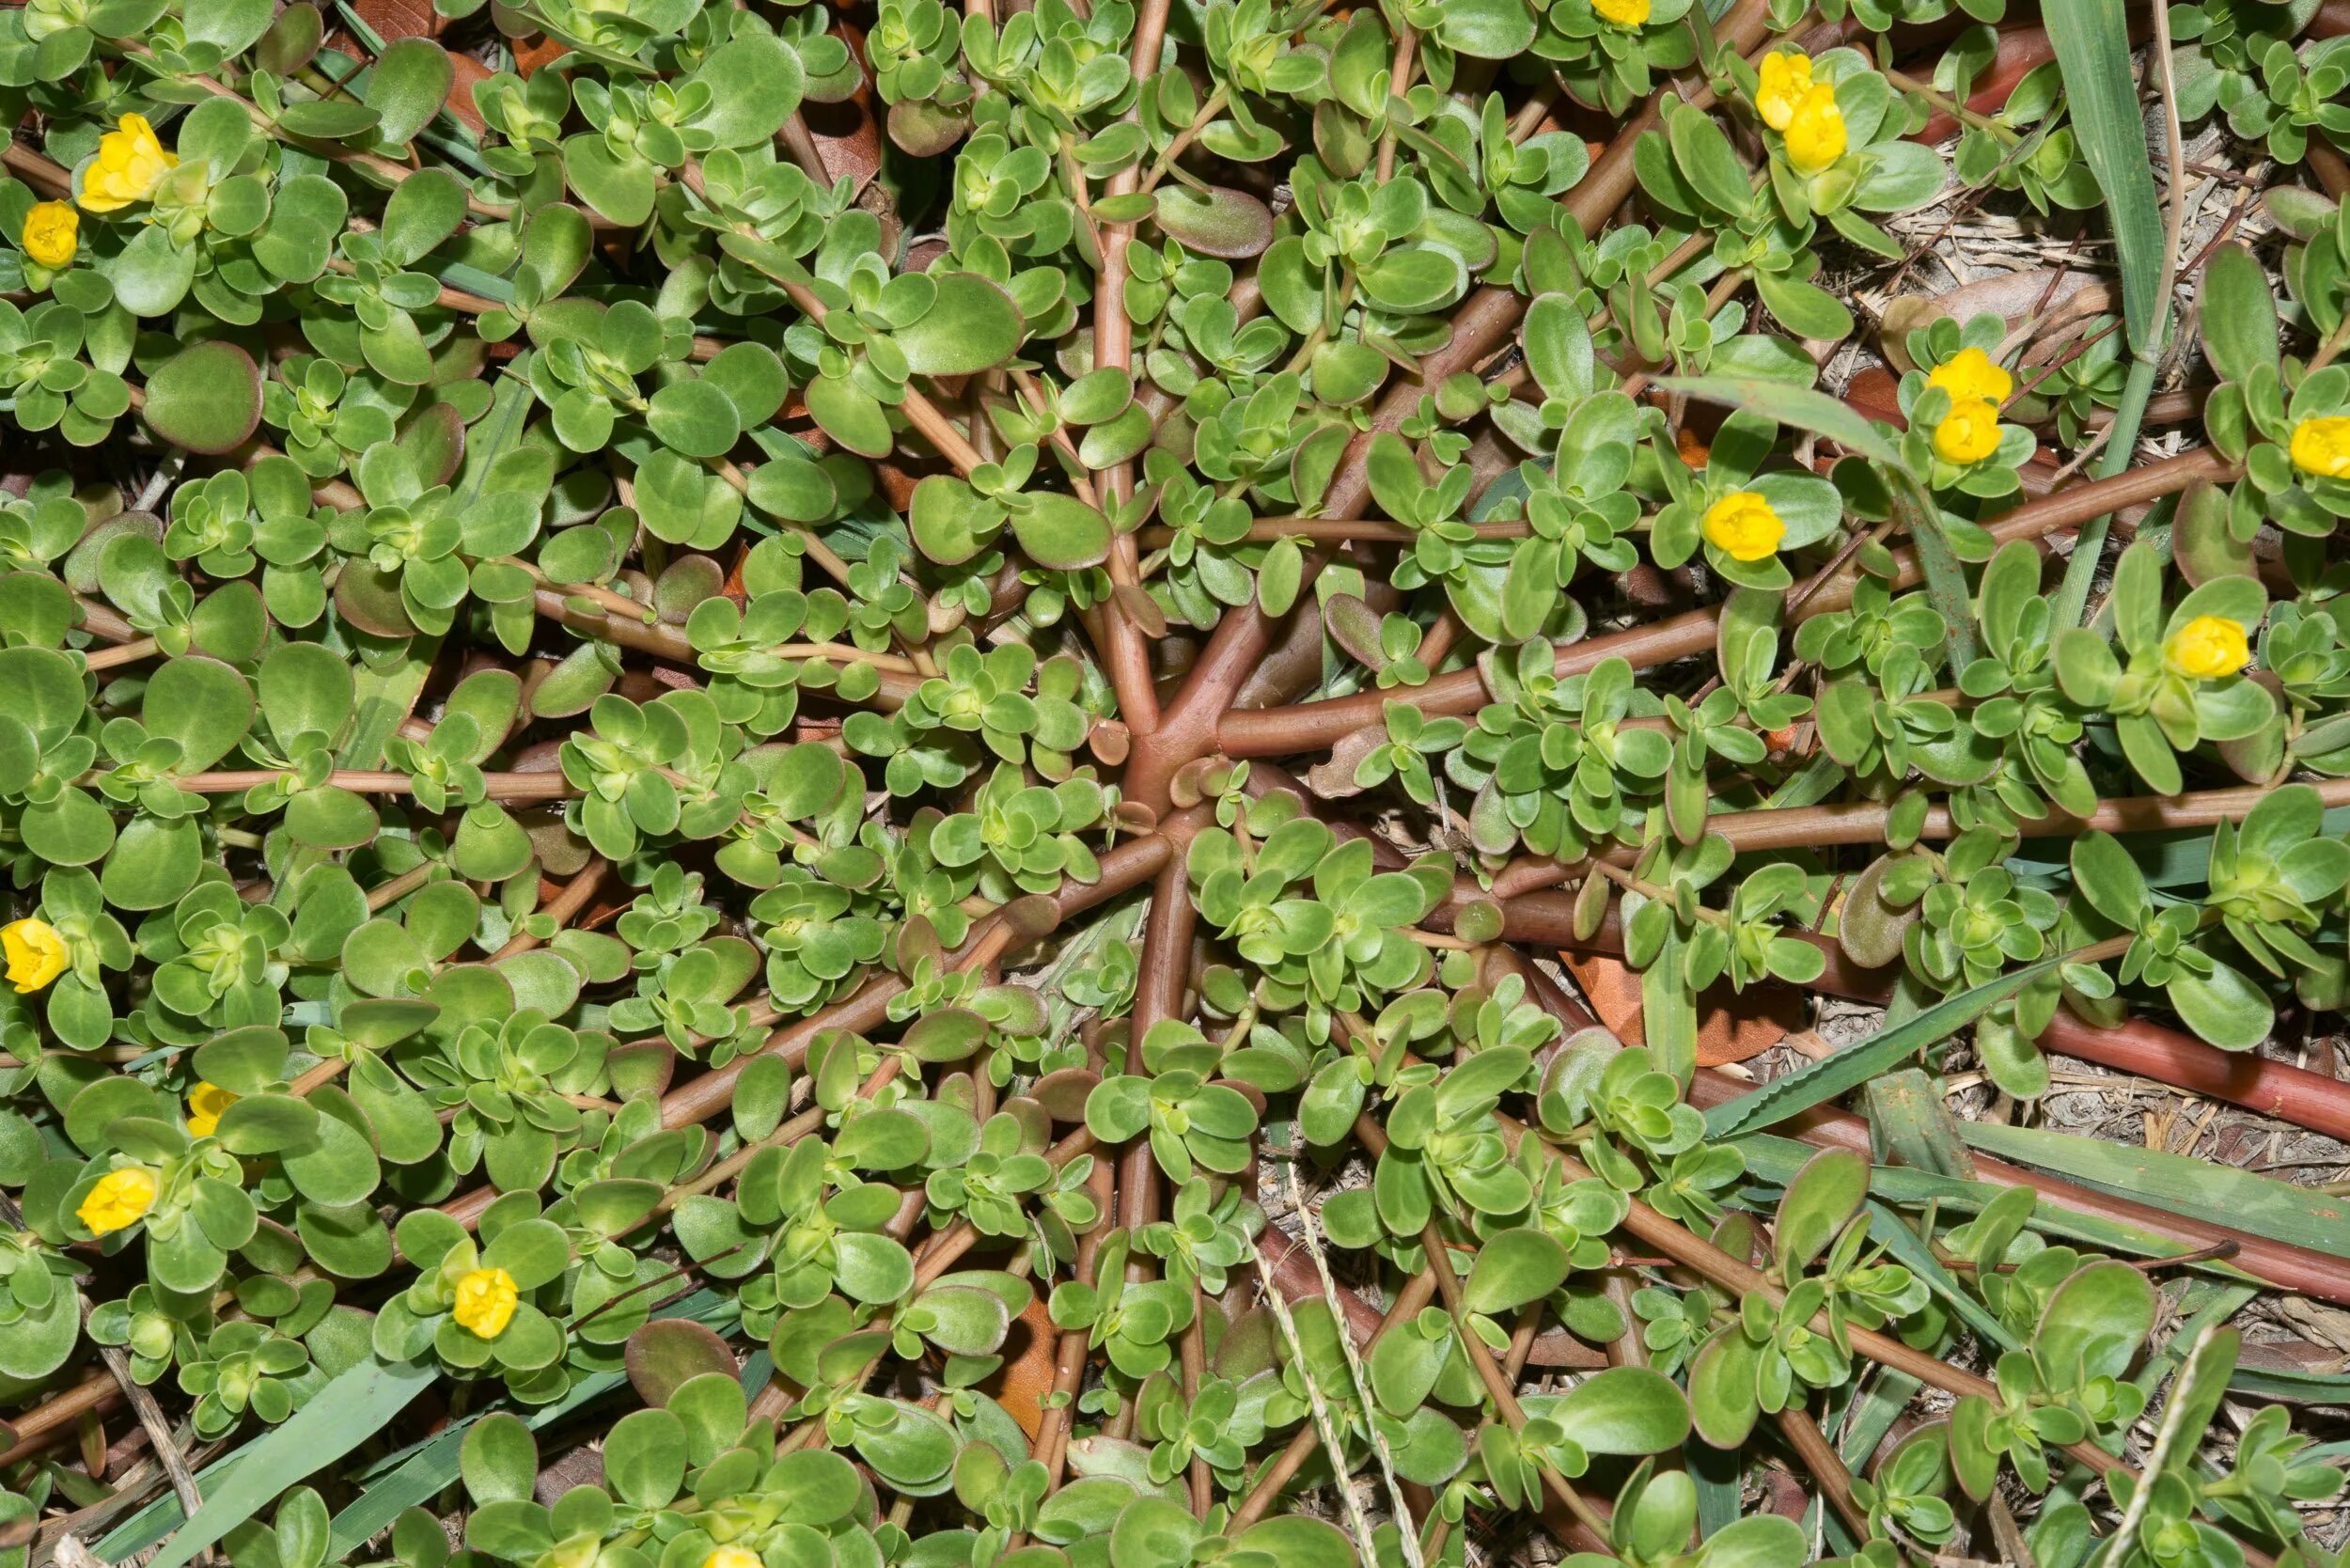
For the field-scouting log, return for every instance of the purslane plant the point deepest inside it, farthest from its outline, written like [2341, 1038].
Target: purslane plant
[629, 641]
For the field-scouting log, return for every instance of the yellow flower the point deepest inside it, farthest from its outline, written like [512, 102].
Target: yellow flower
[486, 1299]
[2208, 647]
[36, 954]
[1743, 526]
[122, 1198]
[1969, 376]
[733, 1557]
[206, 1101]
[2322, 447]
[131, 162]
[1786, 78]
[1815, 131]
[51, 233]
[1624, 13]
[1968, 432]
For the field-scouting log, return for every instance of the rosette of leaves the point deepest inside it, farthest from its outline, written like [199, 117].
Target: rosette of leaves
[1623, 1100]
[41, 525]
[1192, 1119]
[2284, 95]
[2158, 711]
[1133, 1322]
[2263, 399]
[1623, 1410]
[228, 623]
[657, 770]
[2019, 704]
[504, 1078]
[217, 961]
[1975, 918]
[1502, 589]
[1880, 170]
[1024, 837]
[793, 785]
[2305, 650]
[1609, 59]
[79, 1007]
[143, 1323]
[1211, 1425]
[1554, 764]
[1384, 243]
[876, 331]
[1770, 1355]
[2271, 879]
[2071, 1382]
[247, 1368]
[668, 916]
[1691, 172]
[1807, 507]
[45, 755]
[1924, 407]
[977, 699]
[1325, 931]
[51, 376]
[803, 1214]
[2026, 143]
[201, 1212]
[1735, 721]
[817, 934]
[1208, 1236]
[1005, 1174]
[527, 1353]
[1444, 1151]
[738, 96]
[690, 998]
[757, 685]
[1874, 628]
[329, 416]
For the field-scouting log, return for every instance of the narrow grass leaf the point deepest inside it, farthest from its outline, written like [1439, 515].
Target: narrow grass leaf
[2203, 1189]
[1833, 1076]
[355, 1406]
[2091, 39]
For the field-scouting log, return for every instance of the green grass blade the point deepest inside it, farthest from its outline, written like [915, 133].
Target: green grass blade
[1774, 1161]
[353, 1407]
[2091, 39]
[1835, 1076]
[2203, 1189]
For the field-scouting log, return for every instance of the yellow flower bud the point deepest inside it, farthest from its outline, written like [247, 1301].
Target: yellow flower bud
[1743, 527]
[120, 1198]
[1968, 432]
[1786, 78]
[733, 1557]
[131, 162]
[1970, 376]
[51, 233]
[485, 1303]
[2322, 447]
[1624, 13]
[1815, 131]
[2208, 647]
[206, 1101]
[36, 953]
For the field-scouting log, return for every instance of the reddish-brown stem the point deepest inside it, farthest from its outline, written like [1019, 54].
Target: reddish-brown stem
[567, 904]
